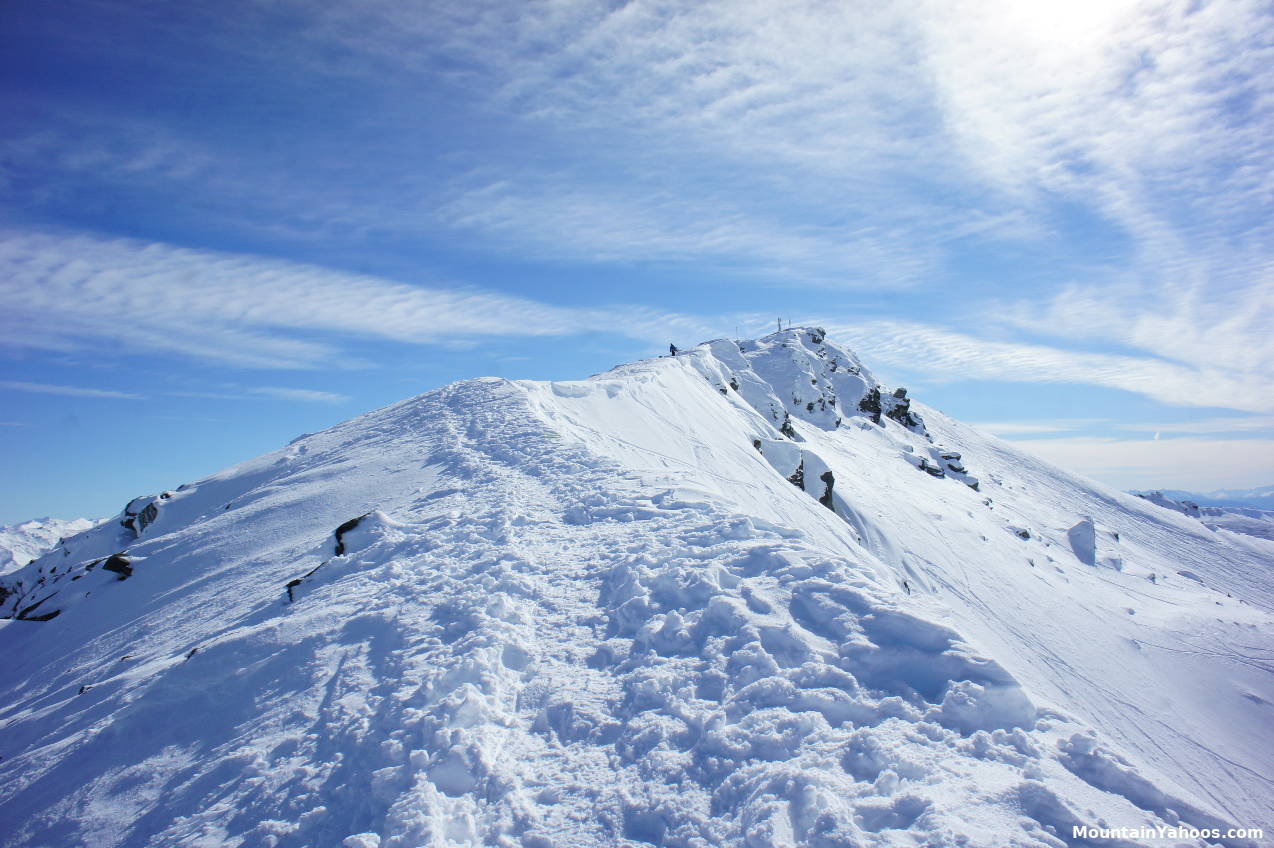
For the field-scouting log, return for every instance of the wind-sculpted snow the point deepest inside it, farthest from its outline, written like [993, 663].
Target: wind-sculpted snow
[605, 613]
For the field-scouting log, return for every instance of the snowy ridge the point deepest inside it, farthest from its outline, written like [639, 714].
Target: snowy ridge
[601, 613]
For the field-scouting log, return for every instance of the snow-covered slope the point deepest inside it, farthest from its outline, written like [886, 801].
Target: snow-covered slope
[744, 596]
[21, 543]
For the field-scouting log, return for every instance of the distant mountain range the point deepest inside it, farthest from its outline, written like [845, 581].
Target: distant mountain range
[21, 543]
[1259, 498]
[1217, 515]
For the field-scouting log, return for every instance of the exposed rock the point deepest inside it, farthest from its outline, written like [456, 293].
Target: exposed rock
[140, 513]
[826, 498]
[871, 404]
[25, 612]
[147, 515]
[297, 581]
[345, 528]
[118, 564]
[900, 411]
[798, 477]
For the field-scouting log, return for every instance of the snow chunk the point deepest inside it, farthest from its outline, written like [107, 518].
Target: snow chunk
[1094, 545]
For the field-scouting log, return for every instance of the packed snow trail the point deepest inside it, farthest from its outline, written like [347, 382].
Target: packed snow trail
[600, 613]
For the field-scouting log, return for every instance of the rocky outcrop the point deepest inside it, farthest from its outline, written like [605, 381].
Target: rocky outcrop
[829, 480]
[931, 469]
[798, 476]
[118, 564]
[870, 404]
[141, 512]
[797, 375]
[898, 407]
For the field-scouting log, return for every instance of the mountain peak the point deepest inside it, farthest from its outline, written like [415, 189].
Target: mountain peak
[799, 373]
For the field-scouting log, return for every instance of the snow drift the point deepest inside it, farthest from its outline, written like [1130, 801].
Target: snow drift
[744, 596]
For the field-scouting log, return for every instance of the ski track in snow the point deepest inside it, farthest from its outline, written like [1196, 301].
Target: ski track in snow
[593, 613]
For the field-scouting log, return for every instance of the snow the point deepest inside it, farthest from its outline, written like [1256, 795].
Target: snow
[21, 543]
[599, 612]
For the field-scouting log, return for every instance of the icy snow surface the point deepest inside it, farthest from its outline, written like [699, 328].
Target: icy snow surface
[744, 596]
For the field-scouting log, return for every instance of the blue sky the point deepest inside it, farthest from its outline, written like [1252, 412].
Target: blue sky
[222, 225]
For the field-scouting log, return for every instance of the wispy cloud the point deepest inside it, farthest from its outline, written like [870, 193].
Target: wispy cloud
[1195, 464]
[944, 354]
[1190, 322]
[64, 292]
[611, 223]
[67, 391]
[1232, 426]
[1034, 428]
[805, 141]
[886, 109]
[303, 395]
[1206, 426]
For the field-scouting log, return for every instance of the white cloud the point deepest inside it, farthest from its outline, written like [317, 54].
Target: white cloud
[945, 355]
[304, 395]
[808, 140]
[1227, 426]
[68, 391]
[533, 217]
[67, 292]
[1192, 464]
[1205, 426]
[1102, 94]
